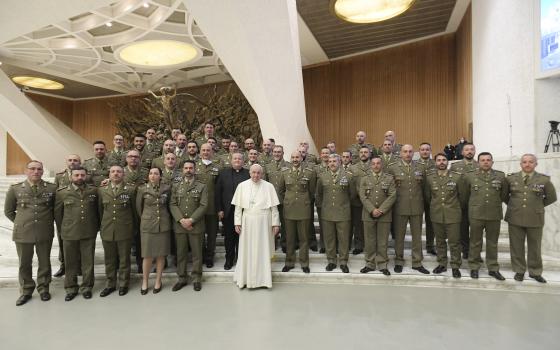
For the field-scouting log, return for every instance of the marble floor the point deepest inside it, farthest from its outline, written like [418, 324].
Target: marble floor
[289, 316]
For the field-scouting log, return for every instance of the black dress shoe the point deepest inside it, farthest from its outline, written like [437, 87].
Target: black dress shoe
[143, 291]
[23, 299]
[357, 251]
[70, 296]
[197, 286]
[287, 268]
[209, 264]
[539, 278]
[59, 273]
[178, 286]
[284, 250]
[45, 296]
[497, 275]
[314, 248]
[474, 274]
[344, 268]
[456, 273]
[107, 291]
[519, 277]
[123, 291]
[87, 295]
[431, 251]
[305, 269]
[398, 268]
[366, 269]
[330, 267]
[157, 290]
[228, 265]
[465, 255]
[421, 269]
[322, 250]
[439, 269]
[385, 272]
[139, 269]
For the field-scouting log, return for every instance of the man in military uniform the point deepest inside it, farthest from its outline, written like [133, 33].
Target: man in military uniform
[378, 194]
[408, 208]
[331, 145]
[266, 155]
[175, 133]
[484, 191]
[153, 145]
[30, 206]
[361, 142]
[359, 170]
[465, 165]
[170, 174]
[442, 191]
[307, 157]
[208, 132]
[224, 149]
[319, 169]
[225, 159]
[76, 214]
[297, 184]
[207, 169]
[386, 154]
[273, 173]
[528, 193]
[181, 149]
[188, 207]
[117, 211]
[253, 159]
[117, 156]
[214, 143]
[146, 156]
[97, 167]
[335, 191]
[168, 147]
[248, 145]
[396, 147]
[428, 164]
[346, 160]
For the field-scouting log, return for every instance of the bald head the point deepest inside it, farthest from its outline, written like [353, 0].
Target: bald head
[407, 151]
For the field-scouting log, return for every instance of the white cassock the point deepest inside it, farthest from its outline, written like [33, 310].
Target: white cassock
[256, 212]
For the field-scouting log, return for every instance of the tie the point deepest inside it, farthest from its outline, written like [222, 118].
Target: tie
[525, 179]
[34, 189]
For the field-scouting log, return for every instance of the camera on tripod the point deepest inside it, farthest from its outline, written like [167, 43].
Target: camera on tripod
[553, 137]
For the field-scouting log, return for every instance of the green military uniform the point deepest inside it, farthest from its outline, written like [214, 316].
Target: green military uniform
[225, 160]
[221, 152]
[443, 193]
[526, 199]
[297, 186]
[201, 140]
[154, 148]
[388, 160]
[183, 156]
[97, 170]
[248, 165]
[76, 213]
[117, 210]
[31, 209]
[358, 170]
[319, 169]
[189, 200]
[273, 174]
[355, 149]
[208, 174]
[152, 207]
[159, 162]
[462, 167]
[377, 191]
[170, 177]
[135, 177]
[427, 166]
[264, 158]
[484, 193]
[62, 179]
[408, 208]
[146, 157]
[116, 157]
[311, 159]
[335, 192]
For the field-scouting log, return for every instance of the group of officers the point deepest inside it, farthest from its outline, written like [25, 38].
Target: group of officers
[166, 199]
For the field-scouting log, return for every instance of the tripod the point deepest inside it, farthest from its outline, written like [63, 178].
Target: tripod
[553, 137]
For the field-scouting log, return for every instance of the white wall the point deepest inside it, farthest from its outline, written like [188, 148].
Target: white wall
[547, 107]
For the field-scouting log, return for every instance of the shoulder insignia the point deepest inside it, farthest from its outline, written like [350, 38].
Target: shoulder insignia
[511, 174]
[61, 188]
[61, 173]
[499, 171]
[457, 173]
[285, 169]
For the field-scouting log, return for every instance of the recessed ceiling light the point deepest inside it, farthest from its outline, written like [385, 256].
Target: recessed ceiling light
[145, 5]
[109, 24]
[38, 83]
[158, 53]
[369, 11]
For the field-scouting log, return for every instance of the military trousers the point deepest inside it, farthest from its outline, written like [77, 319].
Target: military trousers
[430, 237]
[357, 231]
[194, 241]
[117, 257]
[25, 273]
[517, 236]
[448, 234]
[297, 230]
[79, 256]
[336, 233]
[376, 238]
[465, 231]
[313, 244]
[60, 249]
[492, 228]
[399, 224]
[282, 236]
[211, 222]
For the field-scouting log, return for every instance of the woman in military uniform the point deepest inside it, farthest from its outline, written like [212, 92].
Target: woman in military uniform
[152, 204]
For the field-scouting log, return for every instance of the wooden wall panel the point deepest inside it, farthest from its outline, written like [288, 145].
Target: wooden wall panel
[95, 120]
[463, 47]
[16, 159]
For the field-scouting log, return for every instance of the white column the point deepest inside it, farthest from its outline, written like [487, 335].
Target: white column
[3, 151]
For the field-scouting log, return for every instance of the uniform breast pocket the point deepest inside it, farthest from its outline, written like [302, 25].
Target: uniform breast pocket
[23, 203]
[367, 191]
[68, 202]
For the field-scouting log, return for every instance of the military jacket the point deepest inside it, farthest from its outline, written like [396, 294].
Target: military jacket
[263, 158]
[225, 160]
[147, 156]
[97, 170]
[154, 148]
[388, 160]
[443, 193]
[248, 165]
[484, 194]
[409, 185]
[377, 192]
[334, 194]
[189, 201]
[201, 140]
[159, 162]
[355, 149]
[152, 207]
[118, 211]
[32, 212]
[298, 190]
[526, 202]
[76, 212]
[320, 168]
[208, 174]
[463, 167]
[63, 179]
[273, 174]
[171, 177]
[116, 158]
[427, 165]
[358, 171]
[135, 177]
[311, 159]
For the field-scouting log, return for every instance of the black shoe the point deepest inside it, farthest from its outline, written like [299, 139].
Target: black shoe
[87, 295]
[178, 286]
[398, 268]
[45, 296]
[421, 269]
[357, 251]
[366, 269]
[157, 290]
[322, 250]
[519, 277]
[497, 275]
[59, 273]
[314, 248]
[385, 272]
[228, 265]
[23, 299]
[330, 267]
[287, 268]
[107, 291]
[344, 268]
[439, 269]
[431, 251]
[123, 291]
[209, 264]
[474, 274]
[143, 291]
[305, 269]
[139, 269]
[465, 255]
[284, 250]
[197, 286]
[539, 278]
[456, 273]
[70, 296]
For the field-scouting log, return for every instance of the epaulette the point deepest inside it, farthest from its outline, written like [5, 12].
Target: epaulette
[18, 183]
[200, 182]
[88, 159]
[104, 185]
[457, 172]
[61, 188]
[511, 174]
[431, 171]
[61, 173]
[45, 183]
[499, 171]
[284, 168]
